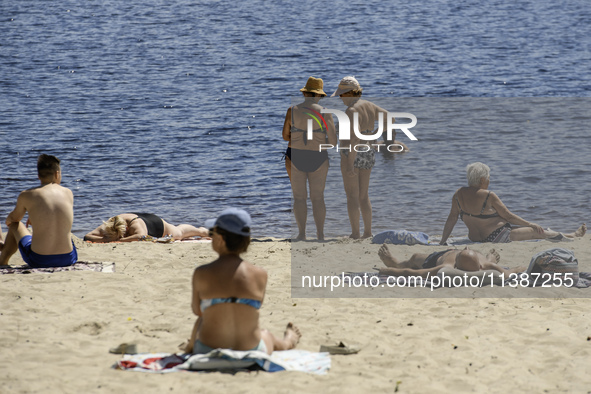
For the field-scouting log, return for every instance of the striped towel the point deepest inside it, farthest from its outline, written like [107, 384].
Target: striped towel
[228, 360]
[79, 266]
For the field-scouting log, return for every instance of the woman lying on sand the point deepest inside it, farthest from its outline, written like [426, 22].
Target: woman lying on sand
[128, 227]
[425, 265]
[487, 218]
[228, 293]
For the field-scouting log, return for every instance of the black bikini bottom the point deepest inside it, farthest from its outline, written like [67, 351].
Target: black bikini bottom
[154, 224]
[306, 160]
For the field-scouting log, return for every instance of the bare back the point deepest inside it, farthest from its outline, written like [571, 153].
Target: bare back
[476, 211]
[51, 214]
[229, 325]
[367, 115]
[300, 114]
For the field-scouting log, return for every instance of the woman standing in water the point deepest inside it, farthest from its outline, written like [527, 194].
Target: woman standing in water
[305, 162]
[356, 166]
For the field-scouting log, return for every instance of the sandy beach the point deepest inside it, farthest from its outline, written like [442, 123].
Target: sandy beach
[58, 328]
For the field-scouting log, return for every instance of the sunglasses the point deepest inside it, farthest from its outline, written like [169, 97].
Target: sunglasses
[216, 230]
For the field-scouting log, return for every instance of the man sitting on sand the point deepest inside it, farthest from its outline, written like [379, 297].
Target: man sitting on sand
[425, 265]
[51, 213]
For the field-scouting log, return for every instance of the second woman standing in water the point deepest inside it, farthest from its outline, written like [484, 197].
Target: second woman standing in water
[356, 166]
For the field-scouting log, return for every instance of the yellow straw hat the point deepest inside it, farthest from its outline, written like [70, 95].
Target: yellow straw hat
[314, 85]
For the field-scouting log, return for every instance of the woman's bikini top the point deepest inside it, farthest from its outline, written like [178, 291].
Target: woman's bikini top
[206, 303]
[297, 130]
[481, 216]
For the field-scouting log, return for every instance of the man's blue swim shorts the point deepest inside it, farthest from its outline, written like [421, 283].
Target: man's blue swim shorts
[45, 261]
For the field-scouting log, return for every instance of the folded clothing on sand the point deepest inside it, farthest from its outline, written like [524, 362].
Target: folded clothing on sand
[558, 266]
[228, 360]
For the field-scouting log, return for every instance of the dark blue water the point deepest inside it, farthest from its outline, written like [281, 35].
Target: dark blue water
[176, 107]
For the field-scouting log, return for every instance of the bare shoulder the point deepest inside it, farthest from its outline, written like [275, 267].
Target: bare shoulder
[377, 108]
[203, 275]
[253, 268]
[204, 268]
[27, 193]
[67, 191]
[493, 197]
[257, 272]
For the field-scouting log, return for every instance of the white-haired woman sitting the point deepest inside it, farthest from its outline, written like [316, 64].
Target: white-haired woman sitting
[487, 218]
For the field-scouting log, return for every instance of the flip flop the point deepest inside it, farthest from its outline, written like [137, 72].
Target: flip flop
[124, 348]
[560, 238]
[341, 348]
[167, 239]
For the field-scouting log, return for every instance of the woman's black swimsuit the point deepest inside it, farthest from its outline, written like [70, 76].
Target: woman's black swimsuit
[500, 235]
[306, 160]
[481, 216]
[154, 224]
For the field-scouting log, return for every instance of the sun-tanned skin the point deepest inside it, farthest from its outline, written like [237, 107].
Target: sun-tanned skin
[50, 207]
[233, 326]
[465, 259]
[297, 116]
[136, 229]
[471, 198]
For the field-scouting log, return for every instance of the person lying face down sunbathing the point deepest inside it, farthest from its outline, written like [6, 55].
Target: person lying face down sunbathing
[487, 218]
[423, 264]
[128, 227]
[228, 293]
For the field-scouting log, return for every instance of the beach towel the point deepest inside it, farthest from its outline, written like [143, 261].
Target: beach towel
[401, 237]
[197, 240]
[96, 266]
[228, 361]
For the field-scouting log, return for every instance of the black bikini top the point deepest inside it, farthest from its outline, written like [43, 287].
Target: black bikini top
[481, 216]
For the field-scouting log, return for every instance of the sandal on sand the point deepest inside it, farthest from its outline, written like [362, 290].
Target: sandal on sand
[124, 348]
[341, 348]
[167, 239]
[560, 238]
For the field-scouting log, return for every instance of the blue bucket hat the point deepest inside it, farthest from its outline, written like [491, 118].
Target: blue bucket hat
[233, 220]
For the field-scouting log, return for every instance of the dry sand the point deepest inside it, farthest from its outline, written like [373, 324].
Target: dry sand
[57, 328]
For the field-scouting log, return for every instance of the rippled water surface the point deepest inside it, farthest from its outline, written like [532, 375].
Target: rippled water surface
[177, 107]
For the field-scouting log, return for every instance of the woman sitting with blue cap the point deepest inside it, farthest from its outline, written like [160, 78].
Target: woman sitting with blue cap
[228, 293]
